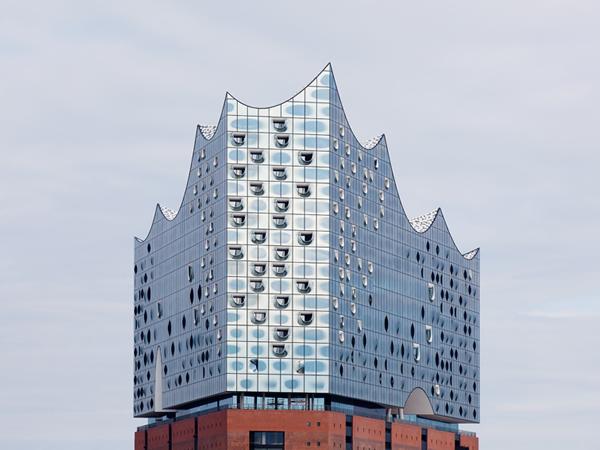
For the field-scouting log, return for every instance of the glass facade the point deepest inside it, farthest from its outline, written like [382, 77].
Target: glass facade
[278, 336]
[291, 267]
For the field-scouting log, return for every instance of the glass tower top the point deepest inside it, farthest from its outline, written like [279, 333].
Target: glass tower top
[292, 268]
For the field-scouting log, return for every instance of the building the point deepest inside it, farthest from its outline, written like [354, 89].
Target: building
[291, 289]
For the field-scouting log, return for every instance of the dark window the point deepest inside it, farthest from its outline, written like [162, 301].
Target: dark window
[348, 432]
[267, 440]
[388, 436]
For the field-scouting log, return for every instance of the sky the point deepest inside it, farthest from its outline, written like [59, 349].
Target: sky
[491, 111]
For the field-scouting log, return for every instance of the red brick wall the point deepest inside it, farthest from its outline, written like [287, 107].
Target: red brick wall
[140, 440]
[301, 427]
[183, 434]
[158, 437]
[470, 442]
[230, 429]
[212, 431]
[406, 437]
[337, 430]
[440, 440]
[368, 433]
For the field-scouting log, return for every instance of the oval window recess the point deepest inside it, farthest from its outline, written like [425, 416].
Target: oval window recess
[305, 158]
[259, 237]
[236, 204]
[279, 173]
[259, 317]
[279, 270]
[238, 220]
[428, 333]
[282, 204]
[305, 238]
[257, 188]
[282, 140]
[303, 189]
[256, 156]
[282, 253]
[282, 334]
[280, 125]
[341, 336]
[236, 252]
[431, 291]
[282, 301]
[279, 350]
[416, 352]
[353, 308]
[257, 285]
[305, 318]
[259, 269]
[303, 286]
[279, 221]
[238, 171]
[238, 139]
[238, 300]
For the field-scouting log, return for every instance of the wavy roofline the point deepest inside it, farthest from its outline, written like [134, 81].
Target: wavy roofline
[233, 97]
[382, 138]
[158, 209]
[373, 142]
[439, 215]
[435, 213]
[381, 141]
[471, 254]
[201, 128]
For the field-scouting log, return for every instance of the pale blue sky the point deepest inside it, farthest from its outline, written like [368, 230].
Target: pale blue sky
[491, 111]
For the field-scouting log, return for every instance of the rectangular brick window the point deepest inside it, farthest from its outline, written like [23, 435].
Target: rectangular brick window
[267, 440]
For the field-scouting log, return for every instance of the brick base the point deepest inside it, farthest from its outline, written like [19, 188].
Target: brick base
[230, 429]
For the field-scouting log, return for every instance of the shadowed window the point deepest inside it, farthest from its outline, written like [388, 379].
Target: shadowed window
[267, 440]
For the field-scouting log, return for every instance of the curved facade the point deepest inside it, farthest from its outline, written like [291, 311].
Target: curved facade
[291, 268]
